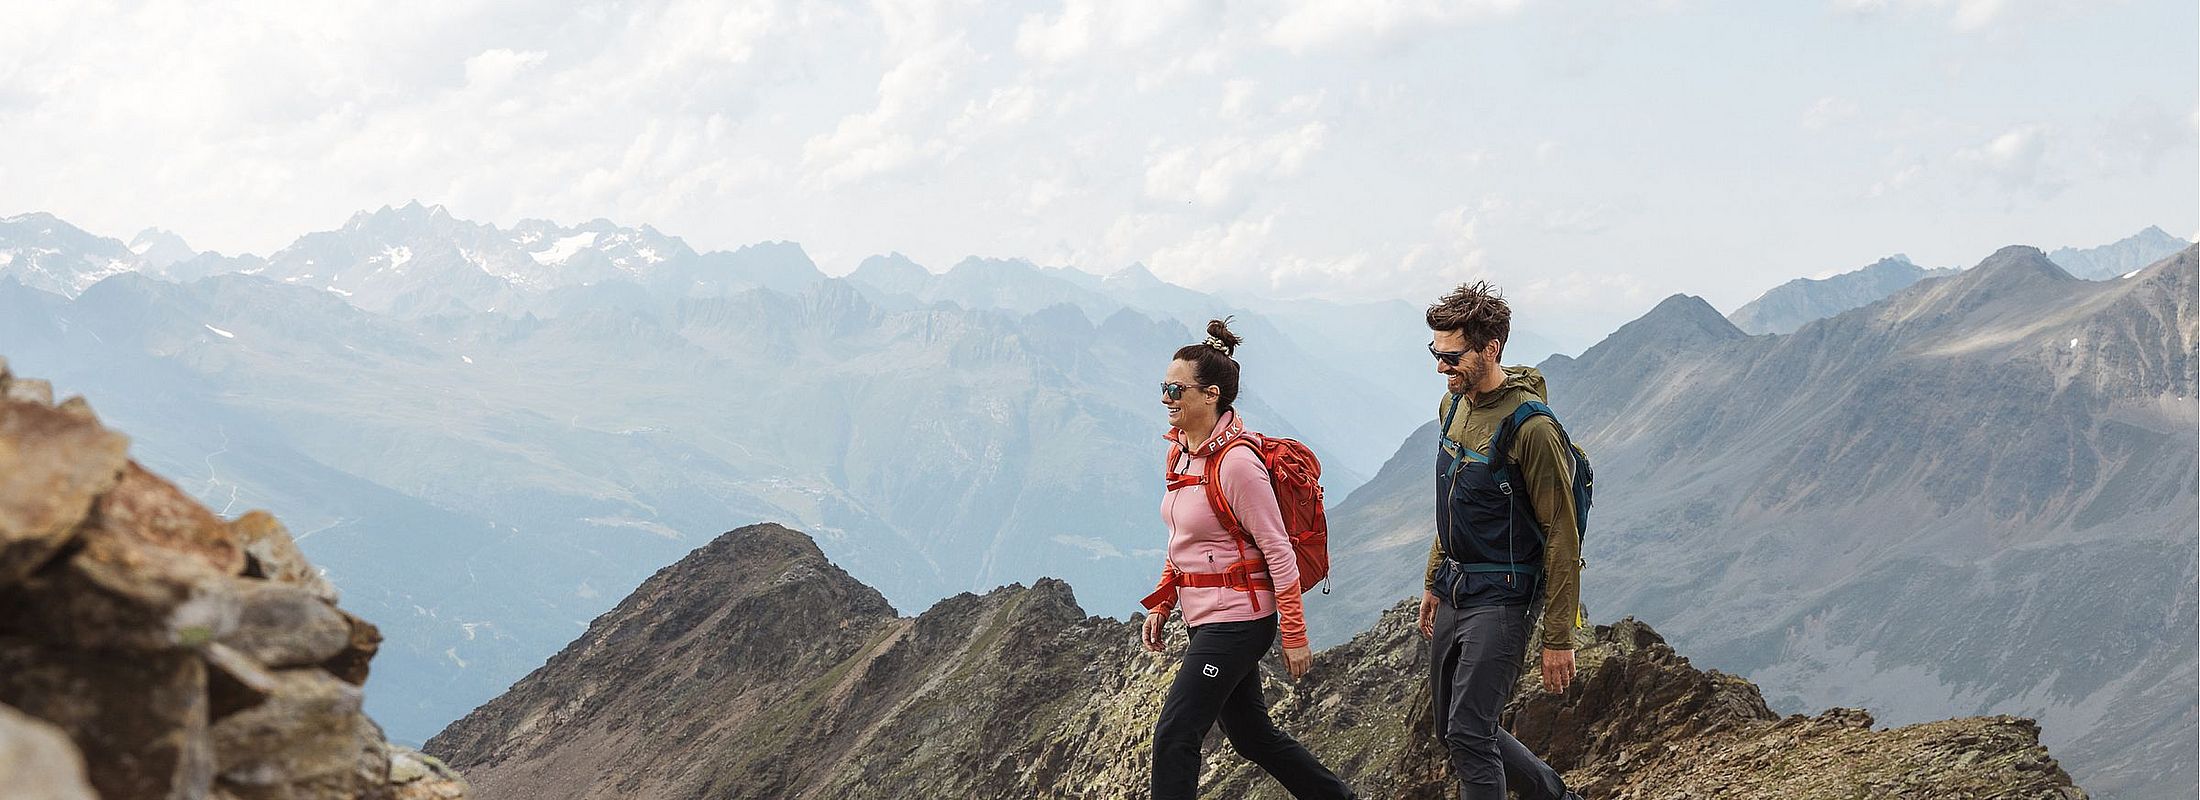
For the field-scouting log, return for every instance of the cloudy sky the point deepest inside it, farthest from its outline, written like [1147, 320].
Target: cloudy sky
[1592, 157]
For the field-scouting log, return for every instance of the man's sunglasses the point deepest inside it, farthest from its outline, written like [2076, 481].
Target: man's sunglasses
[1449, 357]
[1175, 391]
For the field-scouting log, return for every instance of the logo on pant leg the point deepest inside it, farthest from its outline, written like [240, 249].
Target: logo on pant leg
[1209, 670]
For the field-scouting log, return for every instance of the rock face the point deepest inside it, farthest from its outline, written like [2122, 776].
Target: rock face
[755, 668]
[151, 649]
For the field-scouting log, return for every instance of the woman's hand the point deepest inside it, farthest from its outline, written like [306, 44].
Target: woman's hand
[1298, 660]
[1152, 633]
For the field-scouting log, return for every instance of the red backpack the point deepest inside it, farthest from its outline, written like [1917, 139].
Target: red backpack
[1295, 473]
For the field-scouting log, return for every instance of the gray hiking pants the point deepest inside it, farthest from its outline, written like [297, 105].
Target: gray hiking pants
[1475, 662]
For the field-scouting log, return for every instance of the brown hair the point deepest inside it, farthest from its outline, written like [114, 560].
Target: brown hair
[1212, 366]
[1476, 310]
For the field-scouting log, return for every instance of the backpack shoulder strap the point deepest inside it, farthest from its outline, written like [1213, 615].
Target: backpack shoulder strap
[1452, 402]
[1215, 497]
[1501, 441]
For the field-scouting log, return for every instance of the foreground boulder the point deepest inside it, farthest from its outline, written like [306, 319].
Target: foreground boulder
[151, 649]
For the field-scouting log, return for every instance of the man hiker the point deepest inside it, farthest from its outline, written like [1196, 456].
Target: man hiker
[1507, 544]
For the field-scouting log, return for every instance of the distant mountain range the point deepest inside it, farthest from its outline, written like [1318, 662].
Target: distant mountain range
[554, 412]
[1974, 496]
[2120, 258]
[1790, 305]
[755, 668]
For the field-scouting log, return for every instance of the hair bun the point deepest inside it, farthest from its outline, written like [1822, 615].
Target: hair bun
[1220, 338]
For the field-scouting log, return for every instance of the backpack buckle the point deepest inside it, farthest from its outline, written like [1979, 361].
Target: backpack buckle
[1239, 576]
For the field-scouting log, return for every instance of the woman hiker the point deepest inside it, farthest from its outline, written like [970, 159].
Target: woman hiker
[1235, 595]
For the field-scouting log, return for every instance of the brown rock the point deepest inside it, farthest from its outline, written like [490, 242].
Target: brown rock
[37, 762]
[272, 554]
[283, 625]
[155, 512]
[350, 664]
[52, 465]
[118, 592]
[140, 718]
[308, 740]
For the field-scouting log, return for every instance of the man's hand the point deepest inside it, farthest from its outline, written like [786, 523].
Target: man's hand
[1558, 670]
[1152, 632]
[1298, 660]
[1428, 615]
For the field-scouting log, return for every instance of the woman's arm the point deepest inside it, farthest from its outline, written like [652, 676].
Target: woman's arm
[1252, 498]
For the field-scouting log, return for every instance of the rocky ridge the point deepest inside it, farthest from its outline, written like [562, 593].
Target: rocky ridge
[151, 649]
[756, 668]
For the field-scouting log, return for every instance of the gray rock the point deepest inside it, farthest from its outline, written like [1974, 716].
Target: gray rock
[283, 625]
[418, 776]
[37, 762]
[309, 739]
[139, 718]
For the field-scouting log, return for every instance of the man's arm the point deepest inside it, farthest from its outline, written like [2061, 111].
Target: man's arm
[1435, 559]
[1548, 473]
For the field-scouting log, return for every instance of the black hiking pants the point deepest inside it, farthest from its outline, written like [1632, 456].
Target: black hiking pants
[1220, 682]
[1474, 664]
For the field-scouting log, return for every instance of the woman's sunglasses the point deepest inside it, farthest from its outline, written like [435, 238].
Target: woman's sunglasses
[1449, 357]
[1175, 391]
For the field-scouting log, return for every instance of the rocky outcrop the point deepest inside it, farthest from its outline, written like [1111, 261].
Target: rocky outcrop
[754, 668]
[151, 649]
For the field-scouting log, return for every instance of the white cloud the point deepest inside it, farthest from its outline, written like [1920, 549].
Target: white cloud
[1236, 96]
[1216, 173]
[1896, 182]
[1827, 112]
[2015, 160]
[1083, 26]
[1963, 15]
[493, 68]
[1217, 256]
[1308, 25]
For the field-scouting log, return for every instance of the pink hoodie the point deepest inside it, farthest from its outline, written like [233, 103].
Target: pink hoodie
[1198, 543]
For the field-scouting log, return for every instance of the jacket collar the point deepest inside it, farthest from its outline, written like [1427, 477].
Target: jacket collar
[1228, 427]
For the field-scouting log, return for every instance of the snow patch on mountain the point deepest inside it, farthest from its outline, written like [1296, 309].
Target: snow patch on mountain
[564, 248]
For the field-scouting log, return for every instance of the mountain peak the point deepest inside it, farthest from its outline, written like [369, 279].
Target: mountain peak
[2120, 257]
[160, 248]
[2017, 262]
[1687, 311]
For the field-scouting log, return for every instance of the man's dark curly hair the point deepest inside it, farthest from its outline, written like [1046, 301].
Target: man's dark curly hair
[1476, 310]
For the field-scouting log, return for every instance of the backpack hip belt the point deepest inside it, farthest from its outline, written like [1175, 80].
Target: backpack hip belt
[1480, 567]
[1249, 576]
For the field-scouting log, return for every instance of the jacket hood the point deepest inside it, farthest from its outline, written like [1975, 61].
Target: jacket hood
[1519, 381]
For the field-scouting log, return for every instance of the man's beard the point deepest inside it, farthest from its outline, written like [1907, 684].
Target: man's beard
[1469, 375]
